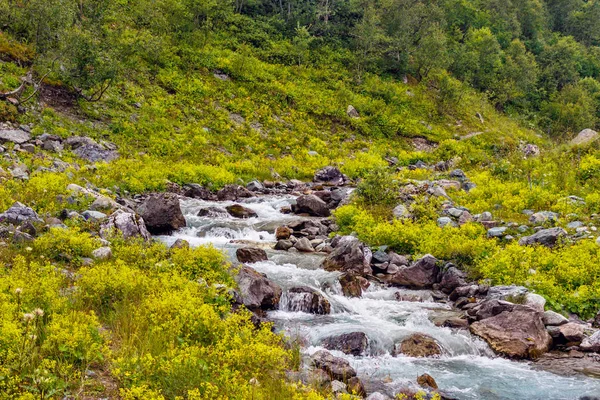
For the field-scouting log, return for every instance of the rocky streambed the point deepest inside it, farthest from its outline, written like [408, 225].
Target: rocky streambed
[380, 323]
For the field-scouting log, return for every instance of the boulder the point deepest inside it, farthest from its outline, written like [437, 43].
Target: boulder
[303, 245]
[427, 381]
[377, 396]
[349, 255]
[401, 212]
[307, 300]
[351, 284]
[94, 152]
[422, 274]
[283, 233]
[451, 279]
[257, 291]
[570, 334]
[17, 136]
[196, 191]
[336, 367]
[128, 223]
[18, 214]
[102, 253]
[330, 176]
[535, 301]
[284, 245]
[354, 343]
[233, 193]
[255, 186]
[543, 217]
[213, 212]
[311, 205]
[516, 333]
[591, 343]
[356, 387]
[162, 213]
[351, 111]
[596, 321]
[584, 137]
[418, 345]
[251, 255]
[180, 244]
[490, 308]
[545, 237]
[239, 211]
[551, 318]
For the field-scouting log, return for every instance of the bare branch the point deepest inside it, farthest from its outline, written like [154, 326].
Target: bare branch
[96, 96]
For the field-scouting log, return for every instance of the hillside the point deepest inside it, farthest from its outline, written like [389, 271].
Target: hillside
[453, 120]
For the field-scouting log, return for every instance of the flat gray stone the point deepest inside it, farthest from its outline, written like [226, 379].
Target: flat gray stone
[17, 136]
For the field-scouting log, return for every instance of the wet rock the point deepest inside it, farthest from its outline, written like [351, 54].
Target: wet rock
[213, 212]
[162, 213]
[551, 318]
[307, 300]
[418, 345]
[352, 285]
[421, 274]
[491, 308]
[510, 293]
[18, 214]
[233, 193]
[250, 255]
[355, 343]
[127, 223]
[571, 363]
[195, 191]
[427, 381]
[239, 211]
[356, 387]
[518, 333]
[337, 368]
[303, 245]
[584, 137]
[591, 343]
[330, 176]
[255, 186]
[102, 253]
[180, 244]
[545, 237]
[17, 136]
[311, 205]
[283, 233]
[257, 291]
[284, 245]
[349, 255]
[451, 279]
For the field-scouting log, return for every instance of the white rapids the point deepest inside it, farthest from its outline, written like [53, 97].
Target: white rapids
[467, 368]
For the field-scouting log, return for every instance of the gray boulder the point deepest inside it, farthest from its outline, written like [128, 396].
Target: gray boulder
[307, 300]
[17, 136]
[545, 237]
[127, 223]
[233, 193]
[330, 176]
[162, 213]
[551, 318]
[337, 368]
[543, 217]
[451, 279]
[584, 137]
[421, 274]
[94, 152]
[18, 214]
[355, 343]
[349, 255]
[311, 205]
[257, 291]
[591, 343]
[251, 255]
[102, 253]
[239, 211]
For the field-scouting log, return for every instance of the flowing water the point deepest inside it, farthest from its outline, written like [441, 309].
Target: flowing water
[467, 368]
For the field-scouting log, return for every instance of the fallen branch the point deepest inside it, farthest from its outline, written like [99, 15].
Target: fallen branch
[96, 96]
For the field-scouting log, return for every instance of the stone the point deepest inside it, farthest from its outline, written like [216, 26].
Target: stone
[53, 145]
[570, 334]
[307, 300]
[496, 232]
[162, 213]
[17, 136]
[418, 345]
[102, 253]
[454, 212]
[338, 388]
[510, 293]
[451, 279]
[213, 212]
[377, 396]
[574, 225]
[255, 186]
[352, 285]
[180, 244]
[336, 367]
[354, 343]
[18, 214]
[542, 217]
[19, 171]
[584, 137]
[349, 255]
[127, 223]
[94, 152]
[356, 387]
[257, 291]
[233, 193]
[239, 211]
[103, 203]
[518, 333]
[284, 245]
[351, 111]
[330, 176]
[427, 381]
[545, 237]
[596, 321]
[91, 215]
[530, 150]
[311, 205]
[196, 191]
[551, 318]
[250, 255]
[592, 343]
[422, 274]
[490, 308]
[535, 301]
[401, 212]
[303, 245]
[486, 216]
[283, 233]
[28, 147]
[445, 221]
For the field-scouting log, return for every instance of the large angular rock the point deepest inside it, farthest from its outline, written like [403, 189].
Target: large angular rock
[545, 237]
[451, 279]
[196, 191]
[162, 213]
[570, 333]
[591, 343]
[311, 205]
[518, 333]
[17, 136]
[233, 193]
[551, 318]
[257, 291]
[352, 285]
[337, 368]
[418, 345]
[423, 273]
[251, 255]
[18, 214]
[349, 255]
[354, 343]
[128, 223]
[584, 137]
[330, 176]
[239, 211]
[307, 300]
[91, 151]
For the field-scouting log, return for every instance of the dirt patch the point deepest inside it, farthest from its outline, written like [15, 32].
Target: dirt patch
[59, 98]
[422, 144]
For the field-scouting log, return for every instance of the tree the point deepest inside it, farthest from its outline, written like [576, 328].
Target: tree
[430, 51]
[560, 64]
[570, 110]
[518, 76]
[480, 59]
